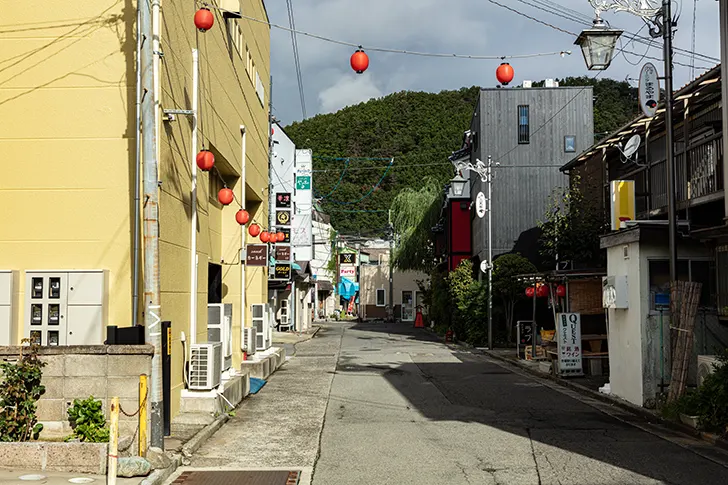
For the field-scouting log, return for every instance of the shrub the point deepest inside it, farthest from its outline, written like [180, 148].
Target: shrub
[21, 389]
[87, 420]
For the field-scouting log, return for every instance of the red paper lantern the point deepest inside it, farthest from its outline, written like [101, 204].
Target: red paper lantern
[204, 19]
[359, 61]
[205, 160]
[242, 217]
[225, 196]
[281, 237]
[265, 236]
[529, 291]
[254, 230]
[561, 291]
[542, 291]
[504, 74]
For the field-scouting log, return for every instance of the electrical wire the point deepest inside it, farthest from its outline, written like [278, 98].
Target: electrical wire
[343, 173]
[296, 58]
[624, 54]
[692, 44]
[371, 191]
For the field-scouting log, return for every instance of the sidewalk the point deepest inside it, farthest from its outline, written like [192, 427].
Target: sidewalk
[12, 477]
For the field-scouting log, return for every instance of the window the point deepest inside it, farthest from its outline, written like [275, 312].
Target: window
[687, 270]
[249, 64]
[235, 35]
[570, 144]
[381, 297]
[524, 132]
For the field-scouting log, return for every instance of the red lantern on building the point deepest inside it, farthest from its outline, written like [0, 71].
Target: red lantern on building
[542, 291]
[265, 236]
[359, 61]
[204, 19]
[561, 291]
[242, 217]
[529, 292]
[254, 230]
[273, 237]
[504, 74]
[225, 196]
[205, 160]
[281, 237]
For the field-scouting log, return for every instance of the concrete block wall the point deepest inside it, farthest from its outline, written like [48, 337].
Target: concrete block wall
[78, 372]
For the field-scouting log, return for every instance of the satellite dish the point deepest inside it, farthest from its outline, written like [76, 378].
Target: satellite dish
[630, 148]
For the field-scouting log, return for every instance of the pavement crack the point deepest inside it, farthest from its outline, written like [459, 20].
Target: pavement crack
[533, 454]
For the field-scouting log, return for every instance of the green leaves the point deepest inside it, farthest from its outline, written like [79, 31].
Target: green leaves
[21, 389]
[87, 420]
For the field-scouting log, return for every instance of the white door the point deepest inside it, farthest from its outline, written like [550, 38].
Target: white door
[408, 314]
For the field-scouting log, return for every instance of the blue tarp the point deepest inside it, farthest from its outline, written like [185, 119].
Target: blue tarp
[256, 384]
[347, 288]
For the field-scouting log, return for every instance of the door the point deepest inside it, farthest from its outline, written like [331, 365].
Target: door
[46, 308]
[408, 314]
[420, 302]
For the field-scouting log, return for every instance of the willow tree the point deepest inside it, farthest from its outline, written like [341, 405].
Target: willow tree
[414, 213]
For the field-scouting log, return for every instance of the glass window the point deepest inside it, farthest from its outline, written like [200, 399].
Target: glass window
[524, 131]
[381, 297]
[570, 144]
[698, 271]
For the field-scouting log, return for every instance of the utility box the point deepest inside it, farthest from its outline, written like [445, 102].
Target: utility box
[66, 307]
[614, 292]
[7, 308]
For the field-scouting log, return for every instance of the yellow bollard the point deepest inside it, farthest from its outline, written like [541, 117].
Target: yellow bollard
[143, 415]
[113, 441]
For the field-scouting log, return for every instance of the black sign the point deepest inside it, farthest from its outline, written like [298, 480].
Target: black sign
[286, 232]
[283, 199]
[282, 271]
[283, 253]
[256, 255]
[347, 258]
[283, 218]
[525, 332]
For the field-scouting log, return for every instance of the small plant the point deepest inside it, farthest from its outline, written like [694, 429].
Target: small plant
[88, 421]
[21, 389]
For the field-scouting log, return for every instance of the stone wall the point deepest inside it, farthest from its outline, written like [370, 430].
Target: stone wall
[101, 371]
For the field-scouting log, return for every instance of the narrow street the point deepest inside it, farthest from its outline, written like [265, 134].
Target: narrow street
[379, 403]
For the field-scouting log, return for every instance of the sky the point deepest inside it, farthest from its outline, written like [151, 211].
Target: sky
[473, 27]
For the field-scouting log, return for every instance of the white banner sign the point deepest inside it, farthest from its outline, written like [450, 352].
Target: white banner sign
[480, 205]
[568, 331]
[347, 271]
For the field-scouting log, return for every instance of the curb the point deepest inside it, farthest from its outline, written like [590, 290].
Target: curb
[645, 414]
[158, 477]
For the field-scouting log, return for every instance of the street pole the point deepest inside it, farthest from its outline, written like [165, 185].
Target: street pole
[490, 252]
[391, 268]
[152, 313]
[669, 149]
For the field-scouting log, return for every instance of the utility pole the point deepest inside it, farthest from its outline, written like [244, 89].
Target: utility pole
[489, 175]
[391, 266]
[152, 310]
[670, 157]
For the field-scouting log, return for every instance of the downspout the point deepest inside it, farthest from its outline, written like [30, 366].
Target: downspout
[137, 173]
[243, 307]
[193, 199]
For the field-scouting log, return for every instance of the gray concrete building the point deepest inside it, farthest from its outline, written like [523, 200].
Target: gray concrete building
[530, 132]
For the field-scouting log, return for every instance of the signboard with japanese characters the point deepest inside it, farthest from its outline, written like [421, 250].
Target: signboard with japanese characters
[286, 232]
[282, 271]
[283, 200]
[283, 218]
[283, 253]
[524, 328]
[568, 331]
[649, 90]
[256, 255]
[303, 182]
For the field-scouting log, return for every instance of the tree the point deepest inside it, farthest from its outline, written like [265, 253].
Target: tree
[505, 285]
[572, 225]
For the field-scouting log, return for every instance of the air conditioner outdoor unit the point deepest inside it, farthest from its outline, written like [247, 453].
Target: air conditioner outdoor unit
[249, 336]
[220, 329]
[260, 323]
[205, 366]
[705, 366]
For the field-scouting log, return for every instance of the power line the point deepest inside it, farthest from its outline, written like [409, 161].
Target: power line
[296, 58]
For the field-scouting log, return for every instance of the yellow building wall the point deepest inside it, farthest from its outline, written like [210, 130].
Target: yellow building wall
[67, 84]
[228, 106]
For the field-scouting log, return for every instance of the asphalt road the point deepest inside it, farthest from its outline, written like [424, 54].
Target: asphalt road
[404, 409]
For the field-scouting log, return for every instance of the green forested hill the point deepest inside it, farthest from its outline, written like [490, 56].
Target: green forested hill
[420, 130]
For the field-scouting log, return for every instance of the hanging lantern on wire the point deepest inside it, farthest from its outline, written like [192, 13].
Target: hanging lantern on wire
[273, 237]
[254, 230]
[542, 291]
[529, 292]
[242, 217]
[561, 291]
[281, 236]
[205, 160]
[504, 74]
[204, 19]
[225, 196]
[359, 61]
[264, 236]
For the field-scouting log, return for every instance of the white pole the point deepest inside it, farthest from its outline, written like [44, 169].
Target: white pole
[193, 200]
[490, 253]
[243, 307]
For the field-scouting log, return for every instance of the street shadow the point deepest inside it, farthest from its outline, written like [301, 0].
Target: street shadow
[471, 388]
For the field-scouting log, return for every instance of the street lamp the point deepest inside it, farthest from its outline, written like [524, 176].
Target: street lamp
[658, 16]
[457, 185]
[597, 45]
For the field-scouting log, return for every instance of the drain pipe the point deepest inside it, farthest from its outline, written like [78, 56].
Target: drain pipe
[243, 307]
[137, 172]
[193, 200]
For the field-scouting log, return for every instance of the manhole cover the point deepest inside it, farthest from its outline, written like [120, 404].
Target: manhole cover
[239, 478]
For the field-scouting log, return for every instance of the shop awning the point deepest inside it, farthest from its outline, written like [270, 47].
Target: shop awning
[324, 285]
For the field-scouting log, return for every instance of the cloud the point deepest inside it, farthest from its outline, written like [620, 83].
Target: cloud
[348, 90]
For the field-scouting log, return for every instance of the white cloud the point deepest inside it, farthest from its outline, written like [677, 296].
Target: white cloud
[348, 90]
